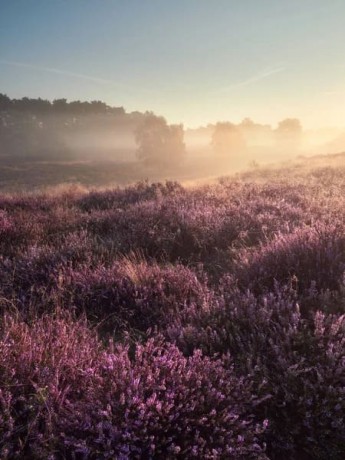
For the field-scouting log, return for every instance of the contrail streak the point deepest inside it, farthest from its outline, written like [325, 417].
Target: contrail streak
[63, 72]
[260, 76]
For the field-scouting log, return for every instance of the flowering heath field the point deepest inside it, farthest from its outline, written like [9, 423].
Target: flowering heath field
[169, 322]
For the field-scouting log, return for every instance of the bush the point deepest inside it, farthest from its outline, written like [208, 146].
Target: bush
[301, 362]
[62, 392]
[133, 295]
[307, 255]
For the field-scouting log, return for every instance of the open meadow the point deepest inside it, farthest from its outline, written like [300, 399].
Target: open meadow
[160, 321]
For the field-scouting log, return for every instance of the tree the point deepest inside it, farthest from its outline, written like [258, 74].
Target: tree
[5, 102]
[60, 105]
[159, 143]
[255, 133]
[290, 125]
[227, 140]
[289, 135]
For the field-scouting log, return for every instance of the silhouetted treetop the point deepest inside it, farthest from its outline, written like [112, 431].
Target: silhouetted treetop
[159, 143]
[38, 106]
[289, 126]
[289, 134]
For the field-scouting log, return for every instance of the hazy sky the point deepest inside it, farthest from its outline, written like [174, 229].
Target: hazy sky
[195, 61]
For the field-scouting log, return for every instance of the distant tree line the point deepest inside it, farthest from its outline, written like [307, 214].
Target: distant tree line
[57, 106]
[229, 139]
[41, 129]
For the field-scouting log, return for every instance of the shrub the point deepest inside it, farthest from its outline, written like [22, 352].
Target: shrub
[133, 295]
[307, 255]
[31, 280]
[301, 362]
[122, 198]
[40, 367]
[163, 405]
[64, 396]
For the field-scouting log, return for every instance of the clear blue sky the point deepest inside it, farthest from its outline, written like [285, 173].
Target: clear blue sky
[194, 61]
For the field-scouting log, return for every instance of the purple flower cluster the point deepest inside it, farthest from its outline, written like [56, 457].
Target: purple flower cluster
[160, 321]
[64, 395]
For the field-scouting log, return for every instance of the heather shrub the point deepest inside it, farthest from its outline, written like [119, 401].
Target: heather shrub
[122, 198]
[64, 396]
[6, 226]
[132, 294]
[189, 229]
[31, 280]
[307, 255]
[157, 228]
[163, 405]
[197, 225]
[40, 367]
[228, 322]
[33, 203]
[326, 300]
[20, 229]
[17, 232]
[301, 363]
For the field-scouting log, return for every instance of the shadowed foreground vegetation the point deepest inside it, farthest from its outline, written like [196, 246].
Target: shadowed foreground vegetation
[159, 321]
